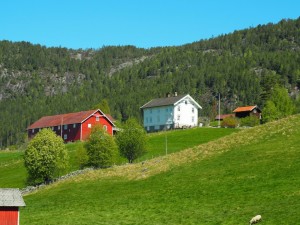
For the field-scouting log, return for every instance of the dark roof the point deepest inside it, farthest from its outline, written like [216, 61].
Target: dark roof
[11, 197]
[163, 101]
[62, 119]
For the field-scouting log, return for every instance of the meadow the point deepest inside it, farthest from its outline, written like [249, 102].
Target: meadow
[224, 181]
[13, 172]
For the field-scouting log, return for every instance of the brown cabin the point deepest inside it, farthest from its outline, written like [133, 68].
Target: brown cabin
[242, 112]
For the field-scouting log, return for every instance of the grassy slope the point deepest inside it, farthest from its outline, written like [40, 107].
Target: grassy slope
[13, 173]
[226, 181]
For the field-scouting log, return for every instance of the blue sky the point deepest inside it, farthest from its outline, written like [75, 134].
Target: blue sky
[142, 23]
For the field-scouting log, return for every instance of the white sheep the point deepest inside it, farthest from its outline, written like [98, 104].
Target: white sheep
[255, 219]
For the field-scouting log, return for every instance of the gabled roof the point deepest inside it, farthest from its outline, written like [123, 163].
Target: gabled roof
[245, 109]
[11, 197]
[223, 116]
[62, 119]
[167, 101]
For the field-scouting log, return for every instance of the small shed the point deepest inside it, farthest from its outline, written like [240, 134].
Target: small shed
[244, 111]
[10, 201]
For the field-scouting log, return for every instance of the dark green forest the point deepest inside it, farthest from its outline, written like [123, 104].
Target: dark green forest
[242, 66]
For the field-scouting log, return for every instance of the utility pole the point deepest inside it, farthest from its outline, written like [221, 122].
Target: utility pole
[219, 111]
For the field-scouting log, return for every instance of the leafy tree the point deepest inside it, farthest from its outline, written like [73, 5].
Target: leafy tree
[132, 140]
[270, 112]
[101, 148]
[278, 106]
[45, 156]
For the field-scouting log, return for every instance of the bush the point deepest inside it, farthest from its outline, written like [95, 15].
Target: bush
[231, 122]
[250, 121]
[45, 157]
[101, 148]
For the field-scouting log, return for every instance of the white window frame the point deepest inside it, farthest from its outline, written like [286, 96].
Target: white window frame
[65, 136]
[89, 125]
[105, 127]
[66, 127]
[97, 118]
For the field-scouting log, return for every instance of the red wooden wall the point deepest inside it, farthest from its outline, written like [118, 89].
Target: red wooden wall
[86, 130]
[9, 215]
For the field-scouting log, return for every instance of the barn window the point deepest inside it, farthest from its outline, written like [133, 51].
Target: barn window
[105, 127]
[65, 136]
[65, 127]
[89, 125]
[74, 125]
[97, 118]
[58, 127]
[33, 131]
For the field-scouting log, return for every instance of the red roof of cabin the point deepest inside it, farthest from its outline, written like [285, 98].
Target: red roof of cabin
[62, 119]
[245, 108]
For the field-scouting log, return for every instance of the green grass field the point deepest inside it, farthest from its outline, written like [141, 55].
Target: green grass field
[225, 181]
[13, 172]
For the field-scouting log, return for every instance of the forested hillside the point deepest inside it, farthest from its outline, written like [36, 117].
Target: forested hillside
[242, 66]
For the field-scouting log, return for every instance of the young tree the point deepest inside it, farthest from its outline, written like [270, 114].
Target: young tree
[101, 148]
[103, 106]
[278, 106]
[132, 140]
[45, 156]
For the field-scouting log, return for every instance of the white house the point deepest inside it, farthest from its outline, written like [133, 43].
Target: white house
[178, 111]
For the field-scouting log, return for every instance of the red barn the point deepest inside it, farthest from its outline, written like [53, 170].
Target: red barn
[10, 201]
[73, 126]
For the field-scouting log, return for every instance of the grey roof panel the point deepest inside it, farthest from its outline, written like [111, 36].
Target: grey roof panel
[163, 101]
[11, 197]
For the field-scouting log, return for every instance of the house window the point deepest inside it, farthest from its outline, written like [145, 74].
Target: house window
[74, 125]
[89, 125]
[185, 102]
[65, 136]
[150, 110]
[105, 127]
[58, 127]
[178, 117]
[178, 108]
[97, 118]
[193, 110]
[166, 109]
[33, 131]
[52, 128]
[150, 119]
[193, 119]
[158, 119]
[65, 127]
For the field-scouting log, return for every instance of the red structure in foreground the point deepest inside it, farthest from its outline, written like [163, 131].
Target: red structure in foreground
[73, 126]
[10, 201]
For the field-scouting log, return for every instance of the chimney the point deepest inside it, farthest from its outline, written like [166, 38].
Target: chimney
[175, 94]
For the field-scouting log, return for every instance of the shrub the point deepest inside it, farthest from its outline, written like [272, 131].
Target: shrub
[231, 122]
[250, 121]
